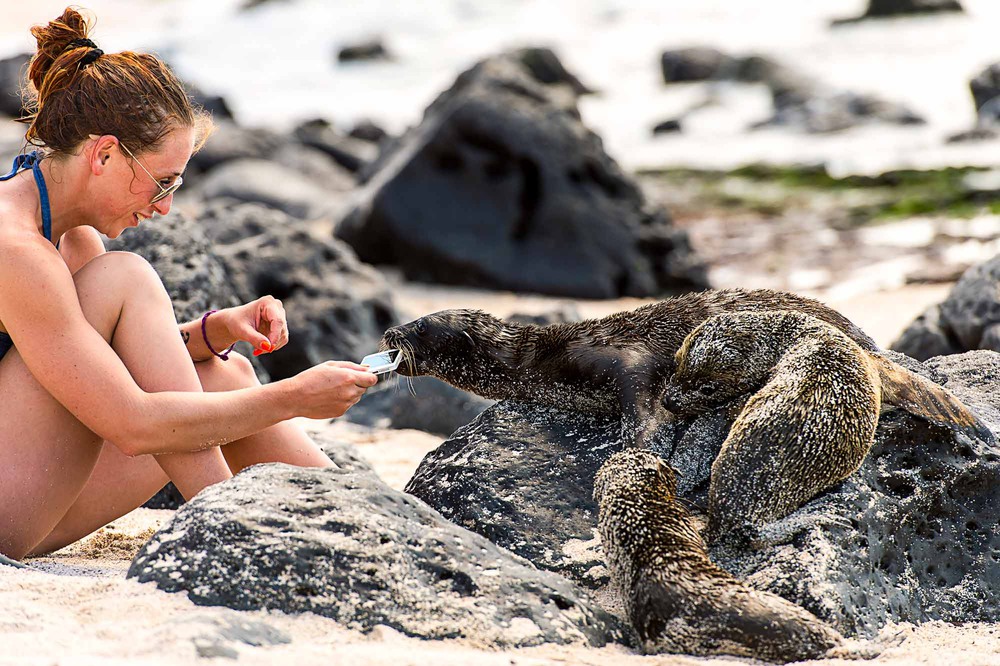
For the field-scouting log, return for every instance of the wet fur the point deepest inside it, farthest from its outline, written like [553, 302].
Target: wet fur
[676, 599]
[615, 365]
[812, 401]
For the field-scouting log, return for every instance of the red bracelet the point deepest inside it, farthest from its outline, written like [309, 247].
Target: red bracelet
[204, 334]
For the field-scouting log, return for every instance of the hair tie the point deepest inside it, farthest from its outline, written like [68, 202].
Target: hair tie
[80, 43]
[91, 57]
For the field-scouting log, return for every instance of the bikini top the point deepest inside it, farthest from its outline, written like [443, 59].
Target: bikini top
[32, 161]
[21, 162]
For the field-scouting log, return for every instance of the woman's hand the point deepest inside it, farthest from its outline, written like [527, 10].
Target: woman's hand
[329, 389]
[260, 322]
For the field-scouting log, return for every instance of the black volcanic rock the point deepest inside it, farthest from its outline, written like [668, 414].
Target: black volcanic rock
[968, 319]
[372, 49]
[337, 307]
[546, 68]
[342, 544]
[908, 538]
[891, 8]
[350, 153]
[419, 403]
[502, 187]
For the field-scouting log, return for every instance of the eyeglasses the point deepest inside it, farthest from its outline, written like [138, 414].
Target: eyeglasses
[164, 191]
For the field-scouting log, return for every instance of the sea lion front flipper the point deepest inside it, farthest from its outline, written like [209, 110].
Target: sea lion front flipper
[922, 397]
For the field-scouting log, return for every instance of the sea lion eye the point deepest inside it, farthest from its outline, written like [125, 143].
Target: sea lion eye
[708, 389]
[420, 327]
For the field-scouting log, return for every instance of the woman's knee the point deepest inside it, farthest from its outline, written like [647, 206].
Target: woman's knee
[107, 282]
[122, 270]
[218, 375]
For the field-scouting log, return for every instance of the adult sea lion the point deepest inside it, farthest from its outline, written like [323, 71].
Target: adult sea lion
[615, 365]
[812, 401]
[675, 597]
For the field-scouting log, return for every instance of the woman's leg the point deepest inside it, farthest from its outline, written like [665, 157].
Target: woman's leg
[119, 484]
[46, 455]
[285, 442]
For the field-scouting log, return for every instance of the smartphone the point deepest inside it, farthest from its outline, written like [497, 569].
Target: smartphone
[383, 362]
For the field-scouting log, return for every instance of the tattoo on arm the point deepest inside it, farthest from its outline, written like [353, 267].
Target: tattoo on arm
[185, 335]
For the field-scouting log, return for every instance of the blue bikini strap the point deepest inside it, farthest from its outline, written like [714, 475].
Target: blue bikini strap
[32, 160]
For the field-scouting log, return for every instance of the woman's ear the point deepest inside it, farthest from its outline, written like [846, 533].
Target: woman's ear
[101, 152]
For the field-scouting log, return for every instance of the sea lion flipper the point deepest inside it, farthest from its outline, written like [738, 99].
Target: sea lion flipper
[922, 397]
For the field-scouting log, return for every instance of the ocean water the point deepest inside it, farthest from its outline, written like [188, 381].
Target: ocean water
[276, 64]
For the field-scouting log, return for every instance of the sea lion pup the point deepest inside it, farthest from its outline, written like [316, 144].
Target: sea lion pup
[812, 402]
[616, 365]
[675, 597]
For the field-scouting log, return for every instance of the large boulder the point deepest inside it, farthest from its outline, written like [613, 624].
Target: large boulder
[12, 78]
[522, 475]
[907, 538]
[501, 186]
[337, 307]
[271, 184]
[969, 318]
[342, 544]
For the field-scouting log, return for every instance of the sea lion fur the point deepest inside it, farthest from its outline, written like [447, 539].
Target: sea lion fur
[616, 365]
[677, 600]
[812, 402]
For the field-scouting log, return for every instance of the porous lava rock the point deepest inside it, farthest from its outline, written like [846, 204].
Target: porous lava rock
[908, 538]
[501, 186]
[342, 544]
[522, 475]
[337, 307]
[183, 255]
[969, 318]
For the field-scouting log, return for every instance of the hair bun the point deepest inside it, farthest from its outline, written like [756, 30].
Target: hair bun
[62, 34]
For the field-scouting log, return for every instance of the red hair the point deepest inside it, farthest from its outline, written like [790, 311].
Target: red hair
[75, 91]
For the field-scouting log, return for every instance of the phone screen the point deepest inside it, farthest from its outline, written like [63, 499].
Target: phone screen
[383, 361]
[382, 358]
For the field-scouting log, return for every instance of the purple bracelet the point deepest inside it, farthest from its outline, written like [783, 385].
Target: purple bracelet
[204, 334]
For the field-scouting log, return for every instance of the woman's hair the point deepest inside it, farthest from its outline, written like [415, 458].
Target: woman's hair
[75, 90]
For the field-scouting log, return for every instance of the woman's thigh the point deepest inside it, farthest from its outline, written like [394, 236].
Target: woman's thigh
[46, 454]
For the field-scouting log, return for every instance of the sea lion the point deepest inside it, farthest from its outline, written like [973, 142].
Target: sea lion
[675, 597]
[615, 365]
[812, 402]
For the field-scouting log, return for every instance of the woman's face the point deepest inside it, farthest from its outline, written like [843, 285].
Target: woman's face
[129, 191]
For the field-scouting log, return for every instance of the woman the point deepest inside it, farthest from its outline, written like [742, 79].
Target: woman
[101, 401]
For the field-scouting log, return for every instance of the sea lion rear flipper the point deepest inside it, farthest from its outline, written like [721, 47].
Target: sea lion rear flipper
[922, 397]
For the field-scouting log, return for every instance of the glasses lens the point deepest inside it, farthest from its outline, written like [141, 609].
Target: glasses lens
[174, 186]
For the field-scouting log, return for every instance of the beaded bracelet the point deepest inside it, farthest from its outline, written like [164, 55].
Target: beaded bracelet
[204, 334]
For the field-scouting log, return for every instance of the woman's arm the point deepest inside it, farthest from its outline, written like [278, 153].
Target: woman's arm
[260, 322]
[74, 363]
